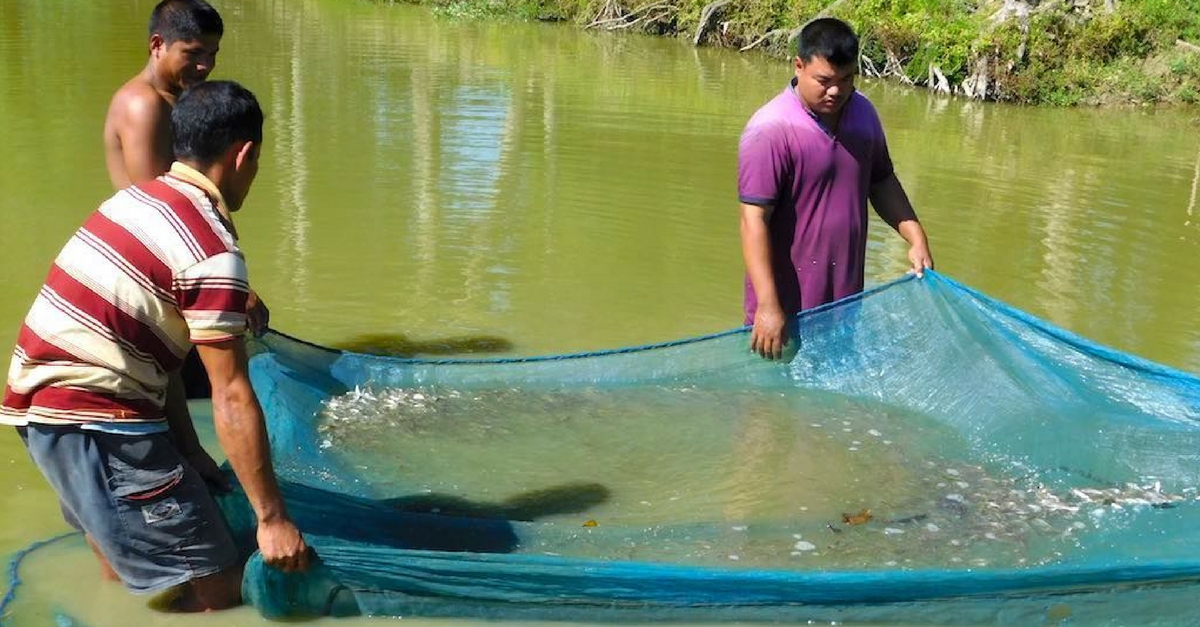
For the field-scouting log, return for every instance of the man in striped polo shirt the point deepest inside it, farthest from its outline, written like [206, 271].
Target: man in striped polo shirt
[155, 270]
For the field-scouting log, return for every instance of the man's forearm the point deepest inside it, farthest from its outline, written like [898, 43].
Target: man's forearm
[242, 432]
[913, 233]
[756, 253]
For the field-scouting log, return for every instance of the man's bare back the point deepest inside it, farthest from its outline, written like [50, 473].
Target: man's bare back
[137, 132]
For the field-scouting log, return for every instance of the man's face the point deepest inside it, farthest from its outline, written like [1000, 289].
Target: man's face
[185, 63]
[825, 88]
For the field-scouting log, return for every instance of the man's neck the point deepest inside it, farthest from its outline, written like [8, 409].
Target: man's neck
[165, 90]
[829, 120]
[213, 175]
[212, 172]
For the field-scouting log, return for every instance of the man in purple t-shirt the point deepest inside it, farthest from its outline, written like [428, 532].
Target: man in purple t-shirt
[808, 161]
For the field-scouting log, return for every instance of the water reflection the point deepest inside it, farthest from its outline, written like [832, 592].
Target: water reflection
[293, 251]
[1064, 222]
[438, 188]
[441, 156]
[475, 135]
[425, 204]
[1191, 207]
[396, 345]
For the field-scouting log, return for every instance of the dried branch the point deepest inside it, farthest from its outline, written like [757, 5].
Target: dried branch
[937, 80]
[1179, 43]
[770, 35]
[707, 17]
[625, 20]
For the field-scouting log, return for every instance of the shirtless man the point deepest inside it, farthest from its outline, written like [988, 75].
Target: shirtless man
[185, 36]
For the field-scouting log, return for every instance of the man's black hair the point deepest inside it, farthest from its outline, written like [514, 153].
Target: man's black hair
[830, 39]
[211, 117]
[185, 20]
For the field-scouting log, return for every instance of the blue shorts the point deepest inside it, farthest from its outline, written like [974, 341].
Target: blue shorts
[149, 513]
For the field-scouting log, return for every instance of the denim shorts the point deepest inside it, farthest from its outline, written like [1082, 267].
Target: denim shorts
[150, 514]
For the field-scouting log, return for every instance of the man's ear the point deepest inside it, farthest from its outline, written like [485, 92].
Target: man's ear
[243, 154]
[157, 43]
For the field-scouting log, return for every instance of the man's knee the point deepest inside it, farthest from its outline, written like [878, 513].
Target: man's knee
[218, 591]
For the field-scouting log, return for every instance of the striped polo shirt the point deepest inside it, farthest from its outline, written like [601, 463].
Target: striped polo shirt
[154, 270]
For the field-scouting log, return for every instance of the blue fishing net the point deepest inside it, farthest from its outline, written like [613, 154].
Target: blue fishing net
[926, 453]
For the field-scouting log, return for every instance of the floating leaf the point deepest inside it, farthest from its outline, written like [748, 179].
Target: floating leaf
[857, 519]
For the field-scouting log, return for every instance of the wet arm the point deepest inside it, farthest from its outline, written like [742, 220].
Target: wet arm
[241, 428]
[756, 252]
[242, 432]
[892, 204]
[768, 337]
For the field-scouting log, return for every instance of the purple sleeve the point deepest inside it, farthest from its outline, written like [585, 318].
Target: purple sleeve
[881, 160]
[761, 164]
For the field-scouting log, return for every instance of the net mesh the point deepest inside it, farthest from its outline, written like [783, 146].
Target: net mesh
[925, 448]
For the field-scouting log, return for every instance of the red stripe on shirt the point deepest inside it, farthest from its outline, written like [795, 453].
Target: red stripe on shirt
[168, 215]
[76, 400]
[14, 402]
[183, 207]
[214, 298]
[36, 348]
[136, 337]
[127, 252]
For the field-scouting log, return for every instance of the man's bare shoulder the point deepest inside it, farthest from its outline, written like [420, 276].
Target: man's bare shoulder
[137, 100]
[137, 133]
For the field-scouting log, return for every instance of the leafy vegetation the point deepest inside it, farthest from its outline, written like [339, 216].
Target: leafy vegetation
[1056, 52]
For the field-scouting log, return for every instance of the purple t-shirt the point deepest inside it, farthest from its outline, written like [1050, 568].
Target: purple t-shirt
[818, 184]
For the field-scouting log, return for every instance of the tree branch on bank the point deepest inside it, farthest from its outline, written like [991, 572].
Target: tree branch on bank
[707, 19]
[976, 85]
[771, 35]
[621, 20]
[867, 67]
[937, 80]
[611, 10]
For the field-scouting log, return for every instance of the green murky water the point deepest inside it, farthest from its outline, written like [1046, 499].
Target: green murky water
[451, 187]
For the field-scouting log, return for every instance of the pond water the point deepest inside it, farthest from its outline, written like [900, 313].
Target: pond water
[431, 187]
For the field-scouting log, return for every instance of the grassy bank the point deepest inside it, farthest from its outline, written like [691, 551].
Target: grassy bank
[1059, 52]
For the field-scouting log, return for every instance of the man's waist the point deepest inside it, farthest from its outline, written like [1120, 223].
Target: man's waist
[76, 405]
[127, 427]
[36, 415]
